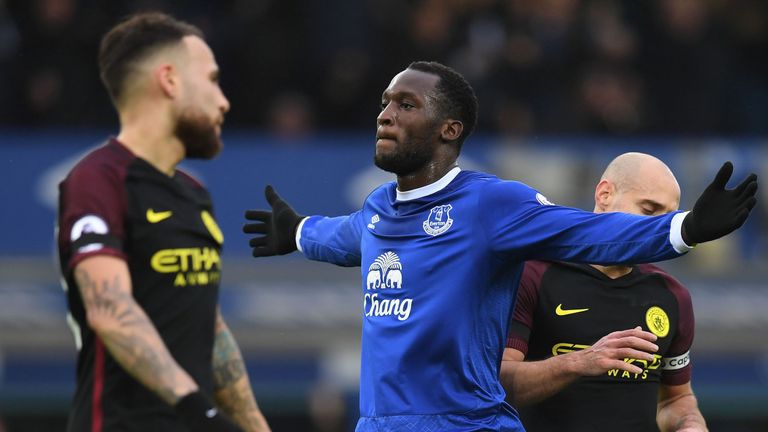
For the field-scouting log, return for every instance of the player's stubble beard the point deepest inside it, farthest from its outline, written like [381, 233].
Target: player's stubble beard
[410, 154]
[198, 134]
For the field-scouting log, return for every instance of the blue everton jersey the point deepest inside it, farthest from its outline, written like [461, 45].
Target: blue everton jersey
[440, 268]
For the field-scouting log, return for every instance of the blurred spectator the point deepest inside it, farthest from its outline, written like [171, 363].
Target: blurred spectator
[291, 116]
[745, 28]
[609, 102]
[607, 67]
[685, 65]
[9, 45]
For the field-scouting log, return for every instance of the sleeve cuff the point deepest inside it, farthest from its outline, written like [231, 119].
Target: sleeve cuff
[676, 233]
[517, 343]
[298, 234]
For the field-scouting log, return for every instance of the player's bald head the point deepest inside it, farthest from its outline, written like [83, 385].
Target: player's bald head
[639, 170]
[635, 175]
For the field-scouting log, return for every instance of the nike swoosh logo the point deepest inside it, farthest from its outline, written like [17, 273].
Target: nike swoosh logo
[155, 217]
[563, 312]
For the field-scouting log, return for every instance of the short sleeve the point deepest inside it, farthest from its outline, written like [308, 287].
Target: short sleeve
[525, 305]
[676, 364]
[92, 207]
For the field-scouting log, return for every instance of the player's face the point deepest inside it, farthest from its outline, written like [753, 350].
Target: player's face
[407, 130]
[650, 197]
[203, 104]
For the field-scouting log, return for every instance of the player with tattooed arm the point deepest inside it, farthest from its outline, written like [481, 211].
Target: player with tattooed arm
[140, 248]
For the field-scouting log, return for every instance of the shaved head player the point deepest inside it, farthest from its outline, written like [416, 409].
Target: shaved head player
[581, 375]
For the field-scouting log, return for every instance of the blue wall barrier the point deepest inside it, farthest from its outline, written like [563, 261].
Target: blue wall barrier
[327, 174]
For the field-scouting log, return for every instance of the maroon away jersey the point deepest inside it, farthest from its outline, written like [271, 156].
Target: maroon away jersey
[114, 203]
[564, 307]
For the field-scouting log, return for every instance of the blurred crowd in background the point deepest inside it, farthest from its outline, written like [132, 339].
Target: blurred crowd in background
[608, 67]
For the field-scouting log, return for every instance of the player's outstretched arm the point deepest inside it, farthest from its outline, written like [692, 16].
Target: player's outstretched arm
[530, 382]
[233, 388]
[719, 211]
[678, 410]
[132, 340]
[276, 229]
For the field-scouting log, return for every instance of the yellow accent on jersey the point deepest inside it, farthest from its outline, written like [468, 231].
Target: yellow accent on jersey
[155, 217]
[657, 321]
[185, 259]
[212, 226]
[563, 312]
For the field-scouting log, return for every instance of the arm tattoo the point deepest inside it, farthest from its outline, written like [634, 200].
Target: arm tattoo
[233, 389]
[228, 366]
[128, 334]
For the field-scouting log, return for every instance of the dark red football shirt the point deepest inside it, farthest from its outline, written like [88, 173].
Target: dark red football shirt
[563, 307]
[115, 203]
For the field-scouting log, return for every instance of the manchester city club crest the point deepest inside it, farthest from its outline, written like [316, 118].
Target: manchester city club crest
[657, 321]
[439, 220]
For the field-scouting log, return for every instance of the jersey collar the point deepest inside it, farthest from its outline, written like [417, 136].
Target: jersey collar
[430, 188]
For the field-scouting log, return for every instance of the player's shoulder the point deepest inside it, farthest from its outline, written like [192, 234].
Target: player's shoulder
[493, 187]
[538, 267]
[479, 179]
[108, 160]
[672, 283]
[386, 191]
[534, 271]
[189, 179]
[653, 269]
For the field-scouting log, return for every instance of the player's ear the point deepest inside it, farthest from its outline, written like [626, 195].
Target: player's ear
[451, 130]
[167, 79]
[604, 194]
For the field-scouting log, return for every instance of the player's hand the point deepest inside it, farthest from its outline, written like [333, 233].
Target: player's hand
[198, 414]
[720, 211]
[276, 229]
[611, 350]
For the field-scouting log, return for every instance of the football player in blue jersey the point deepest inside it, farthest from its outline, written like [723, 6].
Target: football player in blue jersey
[441, 251]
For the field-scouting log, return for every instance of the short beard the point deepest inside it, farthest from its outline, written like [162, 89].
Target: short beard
[411, 158]
[198, 135]
[411, 155]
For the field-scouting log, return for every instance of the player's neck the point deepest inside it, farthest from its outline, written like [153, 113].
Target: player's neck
[152, 139]
[433, 171]
[613, 272]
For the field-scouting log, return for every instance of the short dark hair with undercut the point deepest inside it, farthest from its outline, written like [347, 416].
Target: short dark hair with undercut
[454, 96]
[134, 39]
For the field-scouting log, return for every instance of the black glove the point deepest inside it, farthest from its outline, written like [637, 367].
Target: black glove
[720, 211]
[277, 226]
[199, 414]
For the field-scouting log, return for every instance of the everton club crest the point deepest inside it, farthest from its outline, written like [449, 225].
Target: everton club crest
[439, 220]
